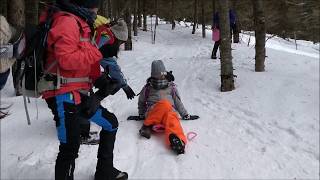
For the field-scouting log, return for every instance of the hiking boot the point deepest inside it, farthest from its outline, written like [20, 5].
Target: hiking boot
[176, 144]
[213, 57]
[145, 131]
[92, 139]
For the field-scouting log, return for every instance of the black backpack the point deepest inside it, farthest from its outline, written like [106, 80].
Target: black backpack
[34, 56]
[32, 74]
[31, 63]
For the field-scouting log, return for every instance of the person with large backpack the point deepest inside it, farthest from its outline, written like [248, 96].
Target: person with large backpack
[158, 102]
[71, 68]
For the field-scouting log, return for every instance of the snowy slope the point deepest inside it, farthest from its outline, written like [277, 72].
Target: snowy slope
[268, 128]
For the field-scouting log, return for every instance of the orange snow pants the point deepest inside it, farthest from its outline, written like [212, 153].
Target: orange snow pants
[162, 113]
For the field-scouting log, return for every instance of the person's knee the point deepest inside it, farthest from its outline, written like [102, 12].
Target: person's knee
[107, 120]
[111, 118]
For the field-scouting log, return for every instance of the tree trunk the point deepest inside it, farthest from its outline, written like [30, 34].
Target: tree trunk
[103, 10]
[119, 14]
[139, 14]
[260, 33]
[156, 11]
[173, 15]
[109, 7]
[16, 13]
[32, 11]
[135, 18]
[283, 14]
[144, 12]
[203, 20]
[195, 13]
[128, 44]
[227, 81]
[3, 8]
[213, 10]
[116, 9]
[236, 30]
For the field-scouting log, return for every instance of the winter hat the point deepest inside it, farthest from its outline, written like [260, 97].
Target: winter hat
[120, 30]
[100, 21]
[87, 3]
[158, 69]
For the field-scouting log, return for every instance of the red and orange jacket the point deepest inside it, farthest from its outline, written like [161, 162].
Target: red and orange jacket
[70, 52]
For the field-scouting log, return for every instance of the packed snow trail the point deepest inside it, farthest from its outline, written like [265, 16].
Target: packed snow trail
[267, 128]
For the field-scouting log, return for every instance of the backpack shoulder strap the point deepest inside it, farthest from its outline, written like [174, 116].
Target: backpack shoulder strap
[63, 13]
[147, 91]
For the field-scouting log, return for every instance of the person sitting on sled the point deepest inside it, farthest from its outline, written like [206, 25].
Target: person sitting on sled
[158, 101]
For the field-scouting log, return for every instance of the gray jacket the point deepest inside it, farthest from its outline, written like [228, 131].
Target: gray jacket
[150, 96]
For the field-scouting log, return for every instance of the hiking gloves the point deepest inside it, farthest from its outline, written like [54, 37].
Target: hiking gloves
[106, 85]
[129, 92]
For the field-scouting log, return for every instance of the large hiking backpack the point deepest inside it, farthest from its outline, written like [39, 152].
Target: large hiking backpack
[35, 78]
[34, 58]
[33, 75]
[31, 63]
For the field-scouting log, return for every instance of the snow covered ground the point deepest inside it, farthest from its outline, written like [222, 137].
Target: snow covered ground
[267, 128]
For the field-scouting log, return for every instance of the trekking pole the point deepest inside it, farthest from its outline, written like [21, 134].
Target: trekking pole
[151, 30]
[155, 31]
[24, 95]
[26, 109]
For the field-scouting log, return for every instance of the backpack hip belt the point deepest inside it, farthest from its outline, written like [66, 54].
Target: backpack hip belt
[55, 82]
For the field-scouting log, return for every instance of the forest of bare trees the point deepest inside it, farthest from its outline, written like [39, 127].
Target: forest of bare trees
[286, 18]
[297, 19]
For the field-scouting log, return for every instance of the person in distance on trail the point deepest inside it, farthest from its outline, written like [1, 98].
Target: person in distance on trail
[216, 30]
